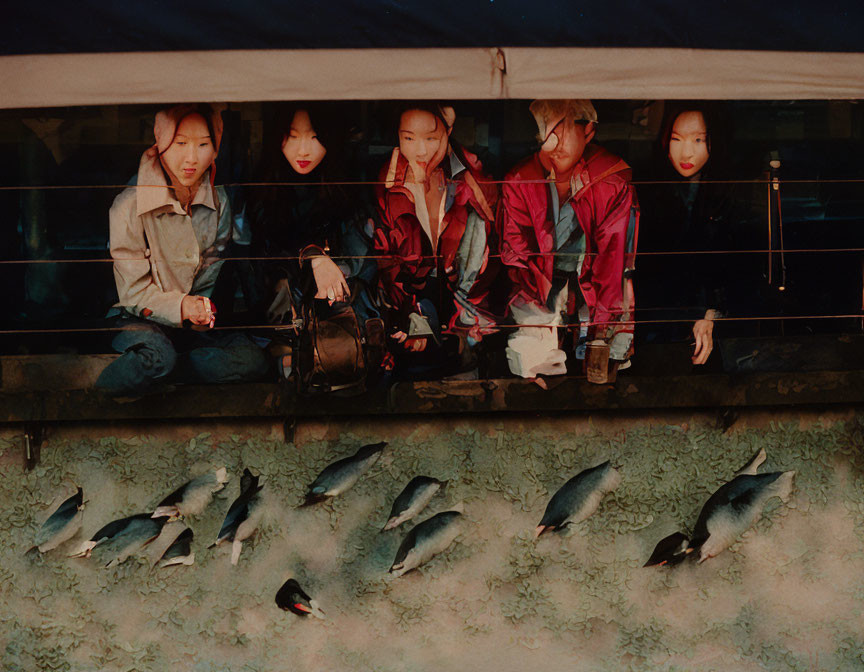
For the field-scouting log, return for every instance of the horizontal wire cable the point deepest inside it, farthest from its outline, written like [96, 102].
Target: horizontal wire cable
[669, 253]
[285, 327]
[348, 183]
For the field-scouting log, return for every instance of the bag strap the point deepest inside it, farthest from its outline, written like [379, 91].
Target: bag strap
[619, 167]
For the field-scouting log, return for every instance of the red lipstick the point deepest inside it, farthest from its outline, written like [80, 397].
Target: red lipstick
[303, 164]
[686, 166]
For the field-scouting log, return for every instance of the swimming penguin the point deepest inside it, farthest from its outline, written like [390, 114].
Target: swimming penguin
[578, 498]
[243, 516]
[180, 550]
[753, 464]
[426, 540]
[126, 542]
[191, 498]
[413, 499]
[669, 551]
[342, 474]
[105, 533]
[734, 508]
[61, 525]
[291, 597]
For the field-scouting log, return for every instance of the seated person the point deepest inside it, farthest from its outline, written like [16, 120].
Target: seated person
[569, 220]
[684, 212]
[436, 210]
[316, 228]
[167, 234]
[313, 222]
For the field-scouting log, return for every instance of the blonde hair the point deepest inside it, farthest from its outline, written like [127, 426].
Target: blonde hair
[548, 113]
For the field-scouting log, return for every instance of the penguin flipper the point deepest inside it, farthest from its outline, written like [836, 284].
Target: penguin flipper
[753, 464]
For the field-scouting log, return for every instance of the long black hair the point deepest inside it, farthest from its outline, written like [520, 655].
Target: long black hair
[716, 125]
[321, 195]
[332, 124]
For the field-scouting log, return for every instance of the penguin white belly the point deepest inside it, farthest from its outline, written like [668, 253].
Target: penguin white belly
[429, 547]
[344, 483]
[420, 503]
[611, 480]
[726, 525]
[589, 506]
[65, 534]
[248, 526]
[350, 475]
[195, 502]
[127, 552]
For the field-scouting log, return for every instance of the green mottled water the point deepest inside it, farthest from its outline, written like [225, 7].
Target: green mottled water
[787, 596]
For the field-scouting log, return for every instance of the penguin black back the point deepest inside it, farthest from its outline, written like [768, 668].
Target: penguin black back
[405, 497]
[73, 502]
[116, 526]
[739, 494]
[239, 509]
[368, 451]
[426, 528]
[174, 497]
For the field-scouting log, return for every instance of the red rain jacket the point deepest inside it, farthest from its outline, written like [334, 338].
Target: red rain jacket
[608, 213]
[407, 252]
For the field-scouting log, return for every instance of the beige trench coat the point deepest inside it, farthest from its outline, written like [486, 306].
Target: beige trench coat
[160, 252]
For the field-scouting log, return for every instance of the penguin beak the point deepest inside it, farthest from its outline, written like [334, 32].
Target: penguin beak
[169, 512]
[540, 530]
[655, 564]
[303, 608]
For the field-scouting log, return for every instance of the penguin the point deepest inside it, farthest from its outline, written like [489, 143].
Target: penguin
[124, 540]
[105, 533]
[669, 551]
[191, 498]
[243, 516]
[291, 597]
[426, 540]
[339, 476]
[734, 508]
[578, 498]
[180, 551]
[412, 500]
[61, 525]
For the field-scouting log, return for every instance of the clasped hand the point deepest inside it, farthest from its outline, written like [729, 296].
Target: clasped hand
[198, 310]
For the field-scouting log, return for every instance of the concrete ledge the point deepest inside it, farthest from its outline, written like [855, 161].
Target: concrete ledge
[56, 372]
[268, 400]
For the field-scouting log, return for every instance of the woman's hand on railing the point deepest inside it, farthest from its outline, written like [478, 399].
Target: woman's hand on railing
[703, 334]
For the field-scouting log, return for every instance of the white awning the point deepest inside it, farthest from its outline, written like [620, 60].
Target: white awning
[447, 73]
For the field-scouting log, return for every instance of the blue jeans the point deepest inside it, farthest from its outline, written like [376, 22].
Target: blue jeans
[152, 354]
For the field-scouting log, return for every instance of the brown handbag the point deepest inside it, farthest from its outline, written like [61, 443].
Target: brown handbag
[331, 352]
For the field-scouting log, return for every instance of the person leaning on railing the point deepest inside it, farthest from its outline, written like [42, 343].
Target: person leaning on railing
[167, 235]
[688, 217]
[569, 220]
